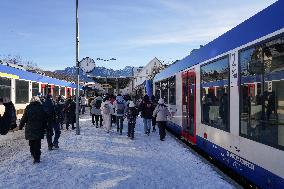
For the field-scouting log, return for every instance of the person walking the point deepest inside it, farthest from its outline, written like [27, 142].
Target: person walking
[48, 107]
[131, 115]
[162, 112]
[96, 111]
[70, 112]
[120, 108]
[107, 110]
[112, 98]
[8, 120]
[56, 123]
[60, 102]
[34, 119]
[83, 103]
[146, 108]
[154, 123]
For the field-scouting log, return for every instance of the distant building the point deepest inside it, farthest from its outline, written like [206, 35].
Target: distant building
[142, 81]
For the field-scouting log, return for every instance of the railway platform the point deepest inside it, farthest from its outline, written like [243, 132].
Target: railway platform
[96, 159]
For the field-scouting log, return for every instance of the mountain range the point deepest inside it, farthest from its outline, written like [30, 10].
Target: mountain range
[70, 73]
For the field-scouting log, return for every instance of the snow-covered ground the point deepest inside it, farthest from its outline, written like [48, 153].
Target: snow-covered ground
[96, 159]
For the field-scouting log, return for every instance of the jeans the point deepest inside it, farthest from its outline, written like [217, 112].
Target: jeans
[119, 123]
[35, 146]
[49, 133]
[131, 126]
[83, 107]
[147, 125]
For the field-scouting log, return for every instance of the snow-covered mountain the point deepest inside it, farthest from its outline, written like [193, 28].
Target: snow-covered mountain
[98, 71]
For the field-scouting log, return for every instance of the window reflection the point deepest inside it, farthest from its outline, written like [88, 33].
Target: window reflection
[5, 88]
[215, 94]
[22, 92]
[172, 90]
[262, 93]
[35, 89]
[158, 90]
[164, 90]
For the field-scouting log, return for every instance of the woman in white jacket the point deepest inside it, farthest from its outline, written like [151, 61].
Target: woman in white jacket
[162, 112]
[107, 110]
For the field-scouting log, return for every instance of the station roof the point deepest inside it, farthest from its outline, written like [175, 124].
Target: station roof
[263, 23]
[25, 75]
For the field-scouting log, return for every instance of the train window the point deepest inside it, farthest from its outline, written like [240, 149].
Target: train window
[22, 92]
[35, 89]
[56, 91]
[262, 93]
[215, 94]
[164, 90]
[158, 90]
[5, 88]
[62, 91]
[172, 90]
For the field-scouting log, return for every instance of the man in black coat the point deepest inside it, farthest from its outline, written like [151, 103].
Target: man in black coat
[34, 119]
[8, 119]
[146, 108]
[48, 107]
[70, 113]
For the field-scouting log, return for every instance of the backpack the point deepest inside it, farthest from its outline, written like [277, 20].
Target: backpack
[120, 106]
[58, 115]
[106, 109]
[98, 104]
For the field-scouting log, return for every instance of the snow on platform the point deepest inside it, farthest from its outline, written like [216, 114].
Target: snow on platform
[96, 159]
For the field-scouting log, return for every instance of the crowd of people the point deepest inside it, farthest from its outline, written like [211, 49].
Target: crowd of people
[46, 115]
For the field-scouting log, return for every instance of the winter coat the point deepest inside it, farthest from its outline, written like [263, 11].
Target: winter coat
[96, 110]
[120, 102]
[48, 107]
[146, 108]
[83, 101]
[34, 119]
[162, 112]
[132, 114]
[107, 103]
[70, 111]
[107, 117]
[7, 119]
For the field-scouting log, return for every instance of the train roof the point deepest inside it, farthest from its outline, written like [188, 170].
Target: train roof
[25, 75]
[263, 23]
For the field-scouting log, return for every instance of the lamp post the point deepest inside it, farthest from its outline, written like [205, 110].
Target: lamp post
[77, 70]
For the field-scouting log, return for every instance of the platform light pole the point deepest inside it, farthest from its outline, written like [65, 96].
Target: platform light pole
[77, 70]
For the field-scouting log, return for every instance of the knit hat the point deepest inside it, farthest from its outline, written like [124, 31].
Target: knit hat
[161, 101]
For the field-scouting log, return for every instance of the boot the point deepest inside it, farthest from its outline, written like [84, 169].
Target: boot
[55, 145]
[36, 161]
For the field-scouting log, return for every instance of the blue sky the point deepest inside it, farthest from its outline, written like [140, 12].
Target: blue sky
[132, 31]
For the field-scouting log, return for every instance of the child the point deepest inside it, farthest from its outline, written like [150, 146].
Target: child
[132, 113]
[162, 112]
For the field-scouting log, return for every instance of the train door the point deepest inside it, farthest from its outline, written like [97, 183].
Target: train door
[188, 106]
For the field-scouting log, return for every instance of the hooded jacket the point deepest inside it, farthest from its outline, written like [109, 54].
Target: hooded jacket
[34, 119]
[162, 112]
[119, 100]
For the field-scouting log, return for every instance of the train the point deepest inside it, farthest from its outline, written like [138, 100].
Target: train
[227, 98]
[20, 85]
